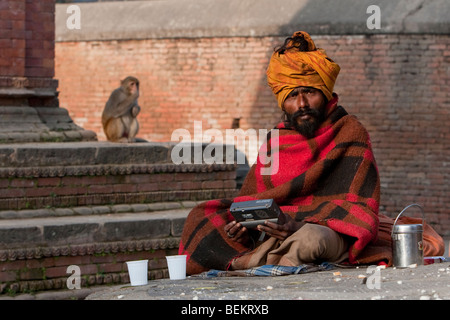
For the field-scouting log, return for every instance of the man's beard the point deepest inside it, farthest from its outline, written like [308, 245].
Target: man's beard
[309, 126]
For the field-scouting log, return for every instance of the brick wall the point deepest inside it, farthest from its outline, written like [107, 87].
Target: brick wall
[209, 80]
[27, 31]
[397, 85]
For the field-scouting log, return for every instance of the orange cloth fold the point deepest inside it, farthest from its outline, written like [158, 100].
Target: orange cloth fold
[293, 68]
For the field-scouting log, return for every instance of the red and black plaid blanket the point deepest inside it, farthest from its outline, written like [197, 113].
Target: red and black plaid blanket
[331, 179]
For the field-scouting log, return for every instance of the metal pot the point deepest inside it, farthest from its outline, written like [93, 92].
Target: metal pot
[407, 242]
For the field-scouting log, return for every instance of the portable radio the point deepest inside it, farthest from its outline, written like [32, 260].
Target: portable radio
[255, 212]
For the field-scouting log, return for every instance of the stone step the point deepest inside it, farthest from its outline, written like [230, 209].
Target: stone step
[37, 248]
[20, 124]
[82, 154]
[60, 175]
[36, 253]
[45, 231]
[96, 210]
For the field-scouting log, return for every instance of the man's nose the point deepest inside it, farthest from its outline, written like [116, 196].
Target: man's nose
[302, 102]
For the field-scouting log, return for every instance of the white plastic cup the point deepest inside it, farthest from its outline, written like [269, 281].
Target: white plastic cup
[177, 267]
[138, 271]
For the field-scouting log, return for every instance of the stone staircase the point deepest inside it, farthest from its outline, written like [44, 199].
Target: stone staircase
[95, 205]
[38, 250]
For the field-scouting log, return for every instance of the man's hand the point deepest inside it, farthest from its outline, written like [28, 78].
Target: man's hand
[237, 232]
[285, 227]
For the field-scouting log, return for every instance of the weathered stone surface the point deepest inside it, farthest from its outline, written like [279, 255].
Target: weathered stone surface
[70, 233]
[82, 153]
[21, 124]
[13, 235]
[237, 18]
[83, 229]
[150, 152]
[421, 283]
[138, 229]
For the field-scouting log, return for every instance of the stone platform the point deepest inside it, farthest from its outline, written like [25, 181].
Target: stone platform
[43, 124]
[428, 282]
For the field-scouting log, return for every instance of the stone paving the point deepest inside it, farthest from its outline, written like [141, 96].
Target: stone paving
[430, 282]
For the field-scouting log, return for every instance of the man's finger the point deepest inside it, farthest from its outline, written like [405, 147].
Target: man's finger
[229, 226]
[240, 232]
[272, 225]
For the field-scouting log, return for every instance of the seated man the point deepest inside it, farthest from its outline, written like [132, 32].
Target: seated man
[326, 182]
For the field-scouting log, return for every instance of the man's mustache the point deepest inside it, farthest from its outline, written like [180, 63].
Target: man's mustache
[303, 112]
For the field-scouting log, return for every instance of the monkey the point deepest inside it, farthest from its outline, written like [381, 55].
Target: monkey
[119, 116]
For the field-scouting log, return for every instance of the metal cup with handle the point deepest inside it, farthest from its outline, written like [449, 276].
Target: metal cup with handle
[407, 242]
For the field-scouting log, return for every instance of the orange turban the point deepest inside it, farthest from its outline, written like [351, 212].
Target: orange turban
[294, 68]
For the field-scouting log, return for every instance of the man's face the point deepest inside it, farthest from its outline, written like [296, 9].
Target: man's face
[305, 110]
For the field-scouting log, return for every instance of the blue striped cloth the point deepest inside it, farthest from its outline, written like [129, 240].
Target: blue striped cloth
[268, 270]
